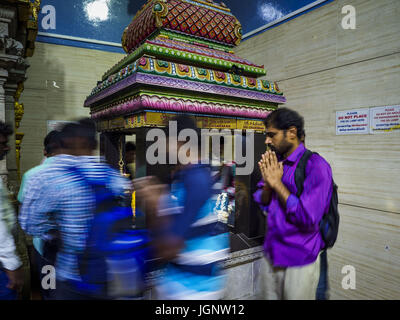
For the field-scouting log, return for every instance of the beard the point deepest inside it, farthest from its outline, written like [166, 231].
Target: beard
[271, 148]
[281, 149]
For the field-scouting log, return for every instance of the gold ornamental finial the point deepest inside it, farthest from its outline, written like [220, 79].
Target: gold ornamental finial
[121, 162]
[18, 107]
[123, 40]
[20, 88]
[160, 11]
[35, 7]
[238, 32]
[18, 113]
[18, 142]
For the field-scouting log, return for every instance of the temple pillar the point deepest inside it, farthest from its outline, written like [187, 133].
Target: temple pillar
[110, 147]
[250, 223]
[3, 79]
[18, 30]
[11, 157]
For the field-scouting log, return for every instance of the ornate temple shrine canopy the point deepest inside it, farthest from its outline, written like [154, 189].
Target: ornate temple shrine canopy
[203, 19]
[180, 60]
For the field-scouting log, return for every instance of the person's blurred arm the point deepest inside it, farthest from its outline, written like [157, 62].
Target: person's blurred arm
[8, 257]
[9, 260]
[21, 192]
[198, 191]
[148, 193]
[171, 237]
[37, 203]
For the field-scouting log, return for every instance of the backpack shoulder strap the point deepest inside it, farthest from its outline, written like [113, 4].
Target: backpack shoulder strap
[300, 172]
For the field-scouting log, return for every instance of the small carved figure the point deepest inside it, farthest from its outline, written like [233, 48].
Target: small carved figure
[11, 46]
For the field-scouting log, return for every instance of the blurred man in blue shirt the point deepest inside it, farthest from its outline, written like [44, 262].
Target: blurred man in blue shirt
[62, 200]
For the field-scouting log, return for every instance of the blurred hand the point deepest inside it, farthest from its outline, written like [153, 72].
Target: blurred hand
[168, 247]
[148, 193]
[151, 195]
[15, 279]
[141, 183]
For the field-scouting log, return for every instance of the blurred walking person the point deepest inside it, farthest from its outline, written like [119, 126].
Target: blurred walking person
[188, 236]
[72, 205]
[52, 148]
[11, 274]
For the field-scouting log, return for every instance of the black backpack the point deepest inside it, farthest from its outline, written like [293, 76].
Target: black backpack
[329, 225]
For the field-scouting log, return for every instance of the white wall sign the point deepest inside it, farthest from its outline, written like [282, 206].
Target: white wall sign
[384, 119]
[354, 121]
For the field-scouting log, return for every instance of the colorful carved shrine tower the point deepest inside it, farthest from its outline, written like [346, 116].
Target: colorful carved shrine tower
[180, 60]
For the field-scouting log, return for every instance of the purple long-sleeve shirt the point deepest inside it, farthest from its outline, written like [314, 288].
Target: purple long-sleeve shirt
[293, 237]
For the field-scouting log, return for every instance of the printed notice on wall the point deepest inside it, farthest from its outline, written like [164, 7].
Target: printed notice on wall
[354, 121]
[384, 119]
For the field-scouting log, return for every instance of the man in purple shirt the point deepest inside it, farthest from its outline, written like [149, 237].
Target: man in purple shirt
[293, 241]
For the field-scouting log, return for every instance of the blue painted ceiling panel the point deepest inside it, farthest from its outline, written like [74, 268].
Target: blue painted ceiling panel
[105, 20]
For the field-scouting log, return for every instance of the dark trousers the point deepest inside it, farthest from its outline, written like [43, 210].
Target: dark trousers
[5, 293]
[323, 285]
[66, 291]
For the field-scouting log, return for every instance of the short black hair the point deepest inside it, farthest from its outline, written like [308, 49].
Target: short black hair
[303, 137]
[5, 129]
[52, 141]
[130, 146]
[183, 121]
[84, 128]
[284, 118]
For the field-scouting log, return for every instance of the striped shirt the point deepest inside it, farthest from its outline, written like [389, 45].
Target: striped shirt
[32, 174]
[60, 198]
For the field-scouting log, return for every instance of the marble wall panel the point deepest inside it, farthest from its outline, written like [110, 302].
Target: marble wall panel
[377, 31]
[352, 69]
[369, 240]
[59, 80]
